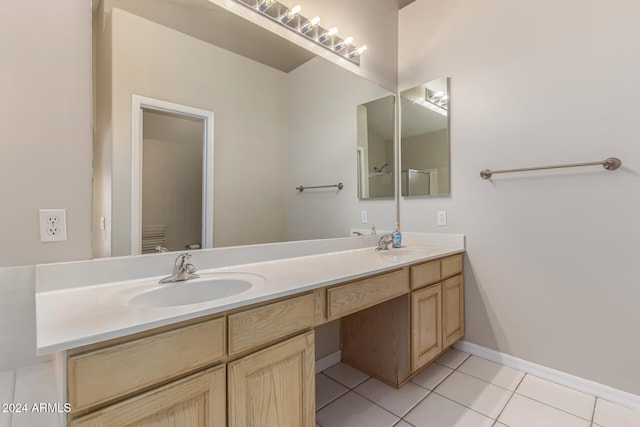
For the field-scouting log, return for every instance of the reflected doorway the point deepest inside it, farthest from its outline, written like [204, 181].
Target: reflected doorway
[172, 198]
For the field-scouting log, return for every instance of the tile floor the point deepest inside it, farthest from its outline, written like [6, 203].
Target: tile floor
[463, 391]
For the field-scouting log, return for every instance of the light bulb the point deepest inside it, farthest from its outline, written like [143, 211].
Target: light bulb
[309, 24]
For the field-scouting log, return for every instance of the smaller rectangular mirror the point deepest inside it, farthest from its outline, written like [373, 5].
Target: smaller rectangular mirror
[376, 159]
[424, 136]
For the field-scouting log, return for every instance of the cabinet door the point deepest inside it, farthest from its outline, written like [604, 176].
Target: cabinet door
[274, 387]
[196, 401]
[453, 310]
[426, 326]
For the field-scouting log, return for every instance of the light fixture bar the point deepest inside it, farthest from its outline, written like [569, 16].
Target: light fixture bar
[308, 28]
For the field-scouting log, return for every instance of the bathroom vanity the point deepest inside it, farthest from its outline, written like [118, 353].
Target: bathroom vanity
[251, 361]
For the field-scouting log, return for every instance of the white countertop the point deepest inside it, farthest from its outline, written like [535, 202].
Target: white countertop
[80, 315]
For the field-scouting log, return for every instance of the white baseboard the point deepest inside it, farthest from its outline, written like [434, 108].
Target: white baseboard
[587, 386]
[328, 361]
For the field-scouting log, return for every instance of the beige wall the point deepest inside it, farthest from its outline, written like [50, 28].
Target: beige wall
[45, 127]
[550, 271]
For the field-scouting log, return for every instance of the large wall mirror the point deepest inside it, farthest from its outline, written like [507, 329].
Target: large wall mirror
[281, 118]
[424, 130]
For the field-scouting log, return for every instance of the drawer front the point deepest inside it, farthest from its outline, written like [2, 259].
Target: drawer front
[105, 374]
[351, 297]
[425, 274]
[451, 265]
[252, 328]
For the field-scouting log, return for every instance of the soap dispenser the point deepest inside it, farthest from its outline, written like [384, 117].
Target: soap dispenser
[396, 237]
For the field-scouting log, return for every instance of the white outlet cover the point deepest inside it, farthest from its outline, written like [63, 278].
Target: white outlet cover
[364, 217]
[53, 225]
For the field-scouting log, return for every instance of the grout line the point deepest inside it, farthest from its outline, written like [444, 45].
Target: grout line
[366, 398]
[464, 406]
[509, 400]
[554, 407]
[593, 414]
[337, 397]
[489, 382]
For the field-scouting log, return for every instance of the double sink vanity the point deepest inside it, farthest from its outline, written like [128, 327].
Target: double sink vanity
[132, 351]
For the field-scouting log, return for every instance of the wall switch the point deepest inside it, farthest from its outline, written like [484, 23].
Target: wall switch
[53, 225]
[103, 223]
[364, 217]
[442, 218]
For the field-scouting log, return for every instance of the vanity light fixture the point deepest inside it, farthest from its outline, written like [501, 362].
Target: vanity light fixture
[309, 28]
[436, 98]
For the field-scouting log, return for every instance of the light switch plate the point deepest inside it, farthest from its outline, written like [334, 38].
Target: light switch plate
[442, 218]
[364, 217]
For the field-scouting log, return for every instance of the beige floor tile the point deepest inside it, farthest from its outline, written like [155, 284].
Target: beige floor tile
[327, 390]
[398, 401]
[556, 395]
[524, 412]
[437, 411]
[479, 395]
[492, 372]
[608, 414]
[346, 375]
[431, 376]
[452, 358]
[403, 423]
[353, 410]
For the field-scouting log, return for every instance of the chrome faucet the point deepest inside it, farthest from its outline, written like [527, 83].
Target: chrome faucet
[384, 242]
[183, 269]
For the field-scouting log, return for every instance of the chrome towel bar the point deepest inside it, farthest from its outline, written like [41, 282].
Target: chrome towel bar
[612, 163]
[339, 185]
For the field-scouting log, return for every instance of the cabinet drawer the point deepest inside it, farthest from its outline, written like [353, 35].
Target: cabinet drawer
[101, 375]
[451, 265]
[258, 326]
[198, 400]
[425, 274]
[358, 295]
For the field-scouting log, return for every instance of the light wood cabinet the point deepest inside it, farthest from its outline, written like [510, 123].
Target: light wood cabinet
[426, 325]
[274, 387]
[453, 310]
[196, 401]
[394, 340]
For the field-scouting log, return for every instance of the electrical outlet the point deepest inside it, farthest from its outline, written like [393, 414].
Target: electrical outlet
[364, 217]
[53, 225]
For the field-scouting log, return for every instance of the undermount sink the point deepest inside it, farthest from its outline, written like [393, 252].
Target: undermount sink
[208, 287]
